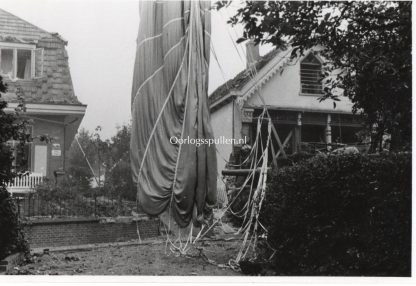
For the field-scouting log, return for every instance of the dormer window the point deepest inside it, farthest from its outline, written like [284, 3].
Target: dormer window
[20, 62]
[310, 75]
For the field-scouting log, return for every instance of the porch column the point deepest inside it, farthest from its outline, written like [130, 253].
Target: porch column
[297, 136]
[328, 134]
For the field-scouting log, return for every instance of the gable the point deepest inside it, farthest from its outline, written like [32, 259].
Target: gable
[283, 91]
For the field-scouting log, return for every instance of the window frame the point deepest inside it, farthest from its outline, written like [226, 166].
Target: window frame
[300, 75]
[14, 143]
[28, 47]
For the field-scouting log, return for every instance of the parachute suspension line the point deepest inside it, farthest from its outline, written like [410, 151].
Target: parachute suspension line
[182, 250]
[88, 162]
[258, 196]
[218, 63]
[254, 203]
[229, 34]
[202, 234]
[228, 88]
[253, 167]
[251, 223]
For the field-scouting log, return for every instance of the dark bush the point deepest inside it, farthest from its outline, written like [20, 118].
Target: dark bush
[341, 215]
[240, 201]
[11, 234]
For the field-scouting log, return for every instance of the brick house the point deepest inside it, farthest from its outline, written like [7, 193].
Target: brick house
[290, 89]
[36, 63]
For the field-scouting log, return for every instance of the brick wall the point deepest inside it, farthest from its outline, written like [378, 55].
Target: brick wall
[65, 232]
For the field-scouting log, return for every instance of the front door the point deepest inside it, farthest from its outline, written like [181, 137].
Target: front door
[41, 159]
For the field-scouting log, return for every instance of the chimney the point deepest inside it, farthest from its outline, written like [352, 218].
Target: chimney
[252, 53]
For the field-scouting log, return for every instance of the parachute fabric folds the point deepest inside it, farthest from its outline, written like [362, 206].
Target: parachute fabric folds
[169, 99]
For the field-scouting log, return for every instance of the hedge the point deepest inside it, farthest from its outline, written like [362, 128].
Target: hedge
[341, 215]
[240, 201]
[11, 235]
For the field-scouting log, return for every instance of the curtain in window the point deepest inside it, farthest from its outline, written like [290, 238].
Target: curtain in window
[27, 73]
[6, 62]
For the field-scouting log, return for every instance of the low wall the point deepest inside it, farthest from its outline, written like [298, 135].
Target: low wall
[76, 231]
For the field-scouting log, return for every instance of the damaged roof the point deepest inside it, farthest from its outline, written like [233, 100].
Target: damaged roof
[242, 78]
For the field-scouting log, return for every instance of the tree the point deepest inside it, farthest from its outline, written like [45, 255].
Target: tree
[367, 46]
[102, 158]
[119, 172]
[11, 127]
[79, 171]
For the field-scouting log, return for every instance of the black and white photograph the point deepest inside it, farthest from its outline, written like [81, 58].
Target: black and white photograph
[206, 141]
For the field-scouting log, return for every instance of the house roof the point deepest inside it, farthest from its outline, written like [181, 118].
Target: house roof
[54, 86]
[241, 78]
[15, 29]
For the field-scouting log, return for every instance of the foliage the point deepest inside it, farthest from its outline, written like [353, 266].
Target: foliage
[119, 173]
[367, 45]
[96, 152]
[65, 199]
[78, 169]
[11, 238]
[11, 127]
[240, 199]
[109, 157]
[341, 215]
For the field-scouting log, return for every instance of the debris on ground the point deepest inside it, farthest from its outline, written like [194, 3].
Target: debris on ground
[208, 258]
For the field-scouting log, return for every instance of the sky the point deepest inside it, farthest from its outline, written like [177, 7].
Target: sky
[101, 37]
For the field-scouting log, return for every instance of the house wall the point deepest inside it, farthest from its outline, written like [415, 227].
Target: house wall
[222, 125]
[56, 132]
[283, 91]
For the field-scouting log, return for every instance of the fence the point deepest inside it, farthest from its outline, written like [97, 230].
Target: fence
[67, 200]
[30, 205]
[25, 183]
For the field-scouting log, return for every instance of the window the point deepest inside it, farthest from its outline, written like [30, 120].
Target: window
[21, 153]
[310, 75]
[6, 62]
[21, 63]
[24, 64]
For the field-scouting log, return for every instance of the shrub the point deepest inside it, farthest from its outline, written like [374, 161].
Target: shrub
[341, 215]
[11, 234]
[11, 127]
[240, 201]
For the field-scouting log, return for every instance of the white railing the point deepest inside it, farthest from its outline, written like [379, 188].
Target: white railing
[25, 183]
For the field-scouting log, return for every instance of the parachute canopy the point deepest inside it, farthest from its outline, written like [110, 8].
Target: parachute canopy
[169, 102]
